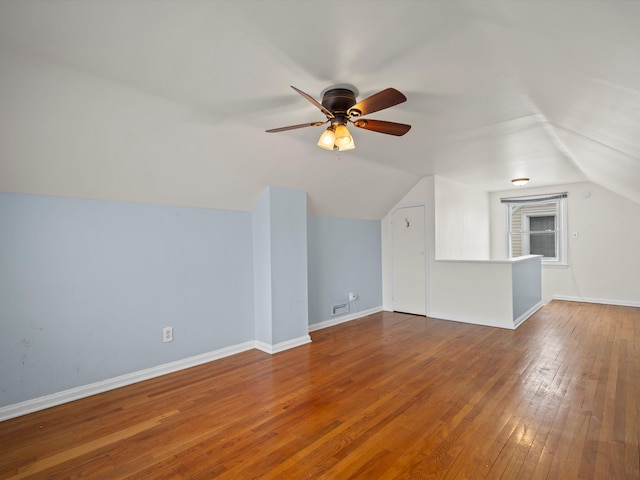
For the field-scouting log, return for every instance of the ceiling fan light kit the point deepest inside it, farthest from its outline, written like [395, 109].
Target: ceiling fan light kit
[340, 107]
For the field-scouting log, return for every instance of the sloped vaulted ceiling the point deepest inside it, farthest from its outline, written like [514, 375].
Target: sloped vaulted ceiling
[167, 102]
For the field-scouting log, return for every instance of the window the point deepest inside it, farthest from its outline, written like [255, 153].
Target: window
[536, 225]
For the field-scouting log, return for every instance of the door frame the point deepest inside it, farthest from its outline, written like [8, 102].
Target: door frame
[427, 252]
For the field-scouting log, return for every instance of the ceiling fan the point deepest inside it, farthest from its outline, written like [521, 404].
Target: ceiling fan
[340, 107]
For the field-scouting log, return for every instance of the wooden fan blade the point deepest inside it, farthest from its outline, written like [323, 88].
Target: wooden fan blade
[293, 127]
[326, 111]
[378, 101]
[380, 126]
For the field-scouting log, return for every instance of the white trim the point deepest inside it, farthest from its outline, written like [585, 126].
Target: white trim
[508, 324]
[520, 320]
[471, 320]
[511, 260]
[621, 303]
[547, 265]
[33, 405]
[344, 318]
[280, 347]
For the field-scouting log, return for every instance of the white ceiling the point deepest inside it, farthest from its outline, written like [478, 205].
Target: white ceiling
[167, 102]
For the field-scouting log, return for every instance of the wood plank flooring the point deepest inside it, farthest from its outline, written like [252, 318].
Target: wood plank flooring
[390, 396]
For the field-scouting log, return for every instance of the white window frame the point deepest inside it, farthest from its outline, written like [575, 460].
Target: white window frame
[560, 200]
[526, 239]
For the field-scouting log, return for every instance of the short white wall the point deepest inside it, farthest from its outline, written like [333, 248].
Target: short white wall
[496, 293]
[469, 292]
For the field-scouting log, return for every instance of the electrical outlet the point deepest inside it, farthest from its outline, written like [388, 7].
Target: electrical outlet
[167, 334]
[352, 296]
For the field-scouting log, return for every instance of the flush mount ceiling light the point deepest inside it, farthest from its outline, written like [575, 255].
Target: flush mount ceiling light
[520, 181]
[340, 107]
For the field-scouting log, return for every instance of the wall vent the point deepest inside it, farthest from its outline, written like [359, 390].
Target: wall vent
[340, 308]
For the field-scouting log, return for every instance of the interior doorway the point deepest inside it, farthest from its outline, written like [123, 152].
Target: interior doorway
[408, 245]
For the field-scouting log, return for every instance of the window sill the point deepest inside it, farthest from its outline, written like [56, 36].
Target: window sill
[555, 265]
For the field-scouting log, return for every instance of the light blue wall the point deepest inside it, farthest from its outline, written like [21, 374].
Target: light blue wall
[345, 255]
[527, 286]
[280, 265]
[86, 287]
[261, 220]
[289, 264]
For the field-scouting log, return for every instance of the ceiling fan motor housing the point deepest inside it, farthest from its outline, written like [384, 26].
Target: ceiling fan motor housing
[339, 101]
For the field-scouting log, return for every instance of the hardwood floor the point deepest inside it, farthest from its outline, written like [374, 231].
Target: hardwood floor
[389, 396]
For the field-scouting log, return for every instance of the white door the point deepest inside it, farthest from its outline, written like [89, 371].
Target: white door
[408, 260]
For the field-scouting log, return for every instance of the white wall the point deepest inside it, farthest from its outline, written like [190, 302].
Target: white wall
[457, 228]
[461, 221]
[604, 262]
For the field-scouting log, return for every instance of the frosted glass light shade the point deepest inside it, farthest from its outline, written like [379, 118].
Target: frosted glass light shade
[350, 146]
[343, 137]
[327, 139]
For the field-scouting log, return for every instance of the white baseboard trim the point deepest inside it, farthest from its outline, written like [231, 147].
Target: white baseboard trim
[279, 347]
[520, 320]
[508, 324]
[344, 318]
[472, 320]
[47, 401]
[620, 303]
[282, 346]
